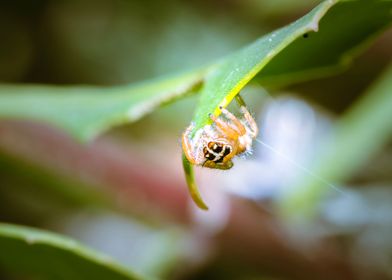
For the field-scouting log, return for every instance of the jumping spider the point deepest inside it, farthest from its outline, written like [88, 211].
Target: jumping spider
[215, 145]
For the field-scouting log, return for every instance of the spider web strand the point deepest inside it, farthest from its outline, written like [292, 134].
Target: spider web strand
[303, 168]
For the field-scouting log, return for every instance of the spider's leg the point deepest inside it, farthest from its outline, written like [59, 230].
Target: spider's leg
[250, 122]
[238, 126]
[227, 129]
[239, 100]
[252, 125]
[187, 146]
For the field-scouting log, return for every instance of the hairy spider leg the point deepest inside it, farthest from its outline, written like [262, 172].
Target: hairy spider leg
[228, 131]
[251, 123]
[187, 145]
[239, 100]
[238, 126]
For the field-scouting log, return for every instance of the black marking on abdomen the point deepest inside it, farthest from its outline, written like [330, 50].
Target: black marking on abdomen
[216, 152]
[221, 156]
[218, 148]
[226, 151]
[210, 156]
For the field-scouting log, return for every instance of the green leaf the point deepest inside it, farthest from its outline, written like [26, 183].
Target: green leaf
[335, 31]
[32, 252]
[358, 135]
[281, 57]
[86, 111]
[344, 31]
[317, 44]
[320, 43]
[190, 180]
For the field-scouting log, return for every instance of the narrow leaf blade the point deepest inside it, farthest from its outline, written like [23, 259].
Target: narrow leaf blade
[34, 252]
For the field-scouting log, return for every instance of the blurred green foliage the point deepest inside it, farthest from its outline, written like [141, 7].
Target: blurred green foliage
[28, 251]
[360, 133]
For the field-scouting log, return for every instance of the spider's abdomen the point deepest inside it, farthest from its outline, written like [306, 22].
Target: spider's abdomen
[216, 152]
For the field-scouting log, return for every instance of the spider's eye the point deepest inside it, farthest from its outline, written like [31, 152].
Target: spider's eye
[216, 151]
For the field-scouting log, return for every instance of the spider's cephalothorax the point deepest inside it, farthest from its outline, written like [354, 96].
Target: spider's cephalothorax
[215, 145]
[216, 151]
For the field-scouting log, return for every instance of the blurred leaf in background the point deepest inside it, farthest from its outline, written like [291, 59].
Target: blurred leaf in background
[362, 132]
[29, 251]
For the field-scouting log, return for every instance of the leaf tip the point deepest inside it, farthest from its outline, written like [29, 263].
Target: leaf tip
[192, 187]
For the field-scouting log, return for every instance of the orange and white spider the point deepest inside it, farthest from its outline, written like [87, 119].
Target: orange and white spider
[215, 145]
